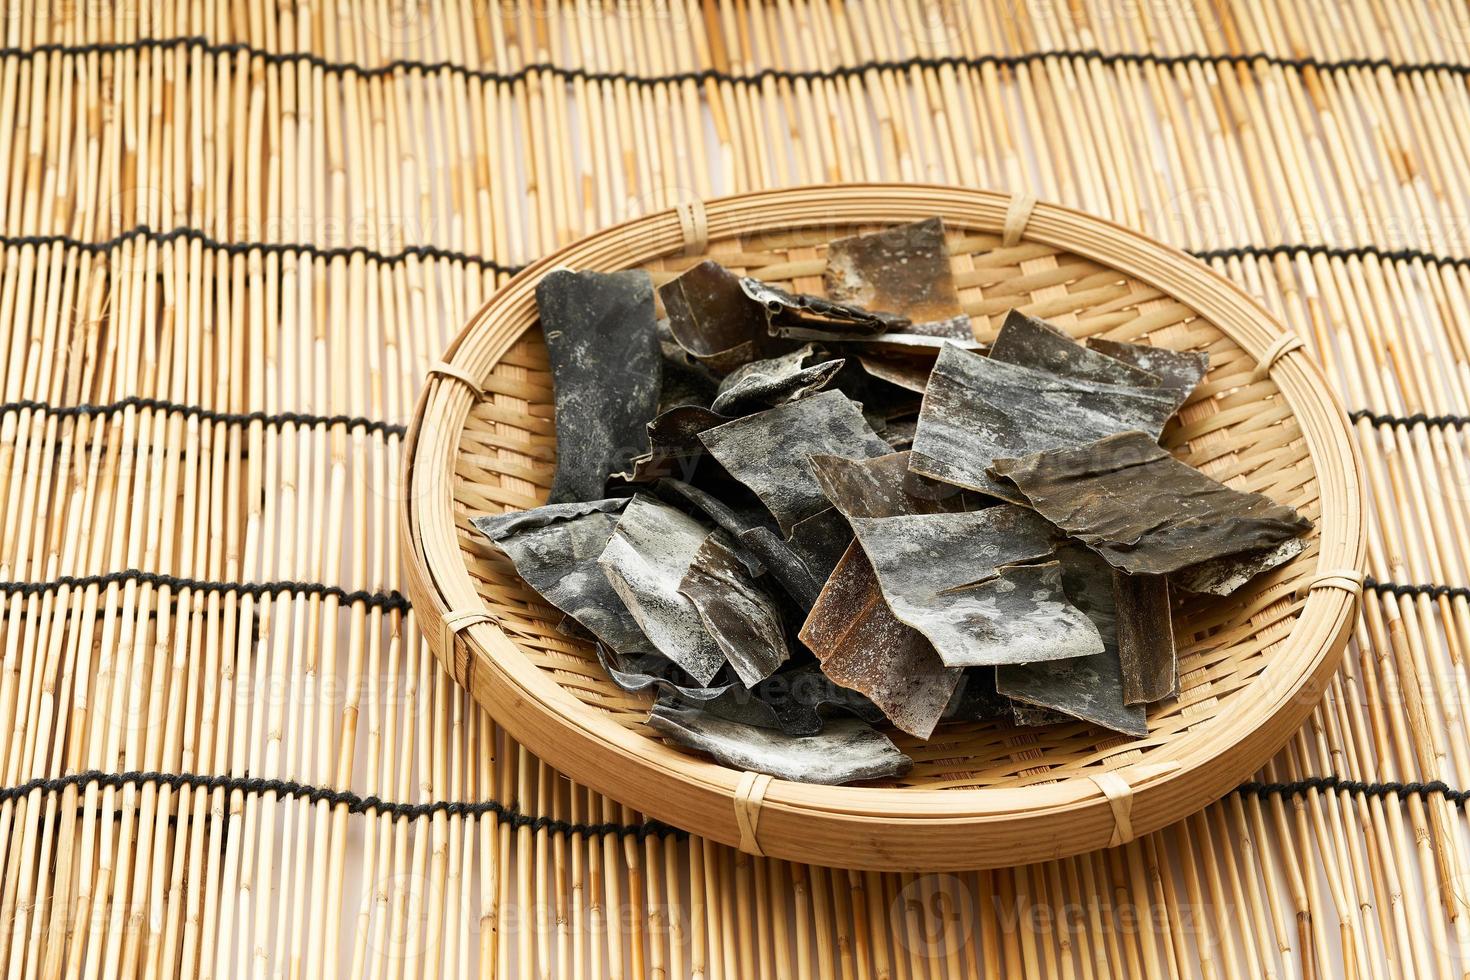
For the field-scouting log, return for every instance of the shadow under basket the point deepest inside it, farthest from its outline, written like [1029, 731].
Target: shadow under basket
[1252, 665]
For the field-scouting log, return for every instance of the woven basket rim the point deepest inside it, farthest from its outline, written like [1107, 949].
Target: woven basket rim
[879, 827]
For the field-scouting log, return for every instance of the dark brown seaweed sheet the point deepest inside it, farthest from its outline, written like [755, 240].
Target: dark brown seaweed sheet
[1144, 511]
[774, 381]
[1029, 342]
[1222, 576]
[646, 559]
[819, 541]
[1145, 638]
[904, 268]
[743, 619]
[909, 373]
[711, 317]
[882, 486]
[1089, 688]
[846, 751]
[1178, 371]
[816, 314]
[978, 410]
[953, 577]
[767, 451]
[674, 446]
[865, 647]
[602, 344]
[555, 550]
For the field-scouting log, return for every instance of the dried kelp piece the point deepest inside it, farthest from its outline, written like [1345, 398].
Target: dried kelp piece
[602, 344]
[899, 433]
[758, 539]
[685, 380]
[904, 268]
[978, 409]
[846, 751]
[1145, 638]
[976, 699]
[646, 559]
[711, 317]
[743, 619]
[774, 381]
[903, 372]
[1091, 687]
[794, 700]
[819, 541]
[813, 313]
[1144, 511]
[1036, 344]
[555, 550]
[1178, 371]
[642, 671]
[882, 486]
[1222, 576]
[865, 647]
[1030, 716]
[767, 451]
[674, 446]
[954, 578]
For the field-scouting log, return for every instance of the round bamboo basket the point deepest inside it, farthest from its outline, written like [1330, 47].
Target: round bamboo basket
[979, 794]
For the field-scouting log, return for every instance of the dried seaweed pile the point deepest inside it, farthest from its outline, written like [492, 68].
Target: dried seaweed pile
[794, 517]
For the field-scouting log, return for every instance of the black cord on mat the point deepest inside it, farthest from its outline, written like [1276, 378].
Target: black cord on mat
[389, 601]
[1409, 421]
[273, 420]
[401, 65]
[1400, 589]
[1331, 784]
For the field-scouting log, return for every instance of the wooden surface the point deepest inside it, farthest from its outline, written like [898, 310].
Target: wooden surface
[315, 228]
[1245, 661]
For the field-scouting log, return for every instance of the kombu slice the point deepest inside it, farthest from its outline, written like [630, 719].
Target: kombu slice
[602, 344]
[818, 541]
[1178, 371]
[816, 315]
[863, 646]
[1146, 651]
[903, 268]
[555, 550]
[847, 750]
[743, 619]
[639, 672]
[883, 486]
[767, 451]
[1144, 511]
[1088, 688]
[646, 559]
[977, 410]
[976, 699]
[711, 317]
[674, 446]
[956, 579]
[1222, 576]
[1029, 342]
[775, 381]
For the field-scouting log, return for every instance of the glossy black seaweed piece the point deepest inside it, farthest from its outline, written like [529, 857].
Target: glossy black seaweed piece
[741, 616]
[602, 345]
[847, 750]
[978, 584]
[903, 268]
[775, 380]
[1036, 344]
[712, 318]
[814, 314]
[646, 559]
[767, 451]
[1146, 650]
[1088, 688]
[977, 410]
[555, 550]
[863, 646]
[1144, 511]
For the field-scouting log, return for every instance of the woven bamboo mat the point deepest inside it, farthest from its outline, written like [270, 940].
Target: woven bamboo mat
[235, 235]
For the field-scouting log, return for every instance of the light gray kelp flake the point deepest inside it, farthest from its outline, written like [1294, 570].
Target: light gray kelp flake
[555, 549]
[823, 423]
[977, 410]
[954, 578]
[863, 646]
[903, 268]
[1145, 638]
[602, 344]
[847, 750]
[1144, 511]
[775, 381]
[1028, 342]
[741, 616]
[646, 558]
[1089, 688]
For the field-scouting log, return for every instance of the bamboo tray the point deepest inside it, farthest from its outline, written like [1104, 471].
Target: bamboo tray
[980, 795]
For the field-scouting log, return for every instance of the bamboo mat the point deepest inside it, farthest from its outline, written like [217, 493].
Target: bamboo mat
[235, 235]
